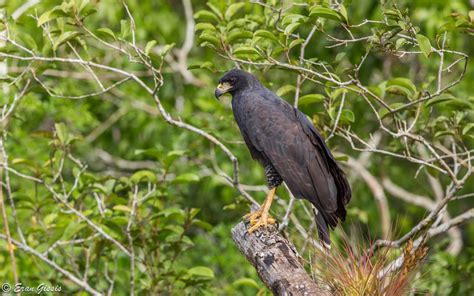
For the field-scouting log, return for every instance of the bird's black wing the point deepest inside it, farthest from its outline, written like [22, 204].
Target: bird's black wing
[283, 136]
[343, 188]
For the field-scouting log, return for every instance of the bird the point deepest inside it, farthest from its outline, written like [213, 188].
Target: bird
[290, 149]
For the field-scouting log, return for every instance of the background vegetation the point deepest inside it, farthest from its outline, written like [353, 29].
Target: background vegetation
[119, 168]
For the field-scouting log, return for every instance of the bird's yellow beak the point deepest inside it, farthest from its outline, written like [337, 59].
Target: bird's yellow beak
[222, 88]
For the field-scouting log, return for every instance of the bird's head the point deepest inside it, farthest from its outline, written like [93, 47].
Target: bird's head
[235, 80]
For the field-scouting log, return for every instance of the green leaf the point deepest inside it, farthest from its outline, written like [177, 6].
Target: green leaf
[342, 157]
[206, 65]
[206, 15]
[443, 133]
[424, 44]
[165, 49]
[295, 43]
[45, 17]
[193, 212]
[393, 14]
[61, 132]
[310, 99]
[266, 35]
[50, 15]
[82, 5]
[231, 206]
[202, 224]
[401, 86]
[143, 175]
[233, 9]
[400, 43]
[245, 50]
[155, 153]
[119, 220]
[175, 154]
[440, 99]
[122, 208]
[384, 112]
[106, 32]
[205, 26]
[339, 57]
[343, 12]
[347, 116]
[432, 171]
[462, 23]
[64, 37]
[49, 219]
[216, 10]
[149, 46]
[186, 178]
[326, 13]
[467, 128]
[210, 38]
[285, 89]
[240, 23]
[23, 161]
[246, 282]
[332, 113]
[291, 28]
[201, 271]
[175, 213]
[72, 229]
[238, 34]
[86, 10]
[174, 228]
[125, 29]
[28, 40]
[293, 18]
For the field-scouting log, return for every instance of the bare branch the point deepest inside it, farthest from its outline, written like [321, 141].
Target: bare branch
[54, 265]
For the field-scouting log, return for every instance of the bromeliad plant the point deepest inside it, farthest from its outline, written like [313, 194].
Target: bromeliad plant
[352, 270]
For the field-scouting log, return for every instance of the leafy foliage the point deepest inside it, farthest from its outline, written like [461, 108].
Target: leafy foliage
[120, 167]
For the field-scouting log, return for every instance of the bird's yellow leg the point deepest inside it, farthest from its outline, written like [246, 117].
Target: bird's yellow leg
[253, 216]
[260, 218]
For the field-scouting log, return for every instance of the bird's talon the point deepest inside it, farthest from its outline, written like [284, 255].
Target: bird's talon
[259, 223]
[253, 216]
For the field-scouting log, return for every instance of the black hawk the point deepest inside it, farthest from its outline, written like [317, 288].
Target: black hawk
[290, 149]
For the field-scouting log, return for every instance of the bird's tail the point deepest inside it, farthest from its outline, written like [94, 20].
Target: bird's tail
[323, 230]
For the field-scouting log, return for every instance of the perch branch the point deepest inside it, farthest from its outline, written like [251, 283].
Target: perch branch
[276, 261]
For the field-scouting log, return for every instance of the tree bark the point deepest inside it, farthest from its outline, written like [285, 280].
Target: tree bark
[276, 261]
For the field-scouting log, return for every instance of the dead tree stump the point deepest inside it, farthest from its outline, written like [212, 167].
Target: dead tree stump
[276, 261]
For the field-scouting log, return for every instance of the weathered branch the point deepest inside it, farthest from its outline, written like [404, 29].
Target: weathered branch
[276, 261]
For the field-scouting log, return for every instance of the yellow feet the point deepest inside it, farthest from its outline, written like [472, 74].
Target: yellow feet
[261, 218]
[254, 217]
[261, 221]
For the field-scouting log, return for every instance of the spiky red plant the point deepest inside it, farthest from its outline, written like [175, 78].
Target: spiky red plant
[355, 270]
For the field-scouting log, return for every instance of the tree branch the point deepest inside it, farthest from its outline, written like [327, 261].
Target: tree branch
[54, 265]
[276, 261]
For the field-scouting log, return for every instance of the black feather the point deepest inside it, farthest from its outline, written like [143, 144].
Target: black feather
[281, 136]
